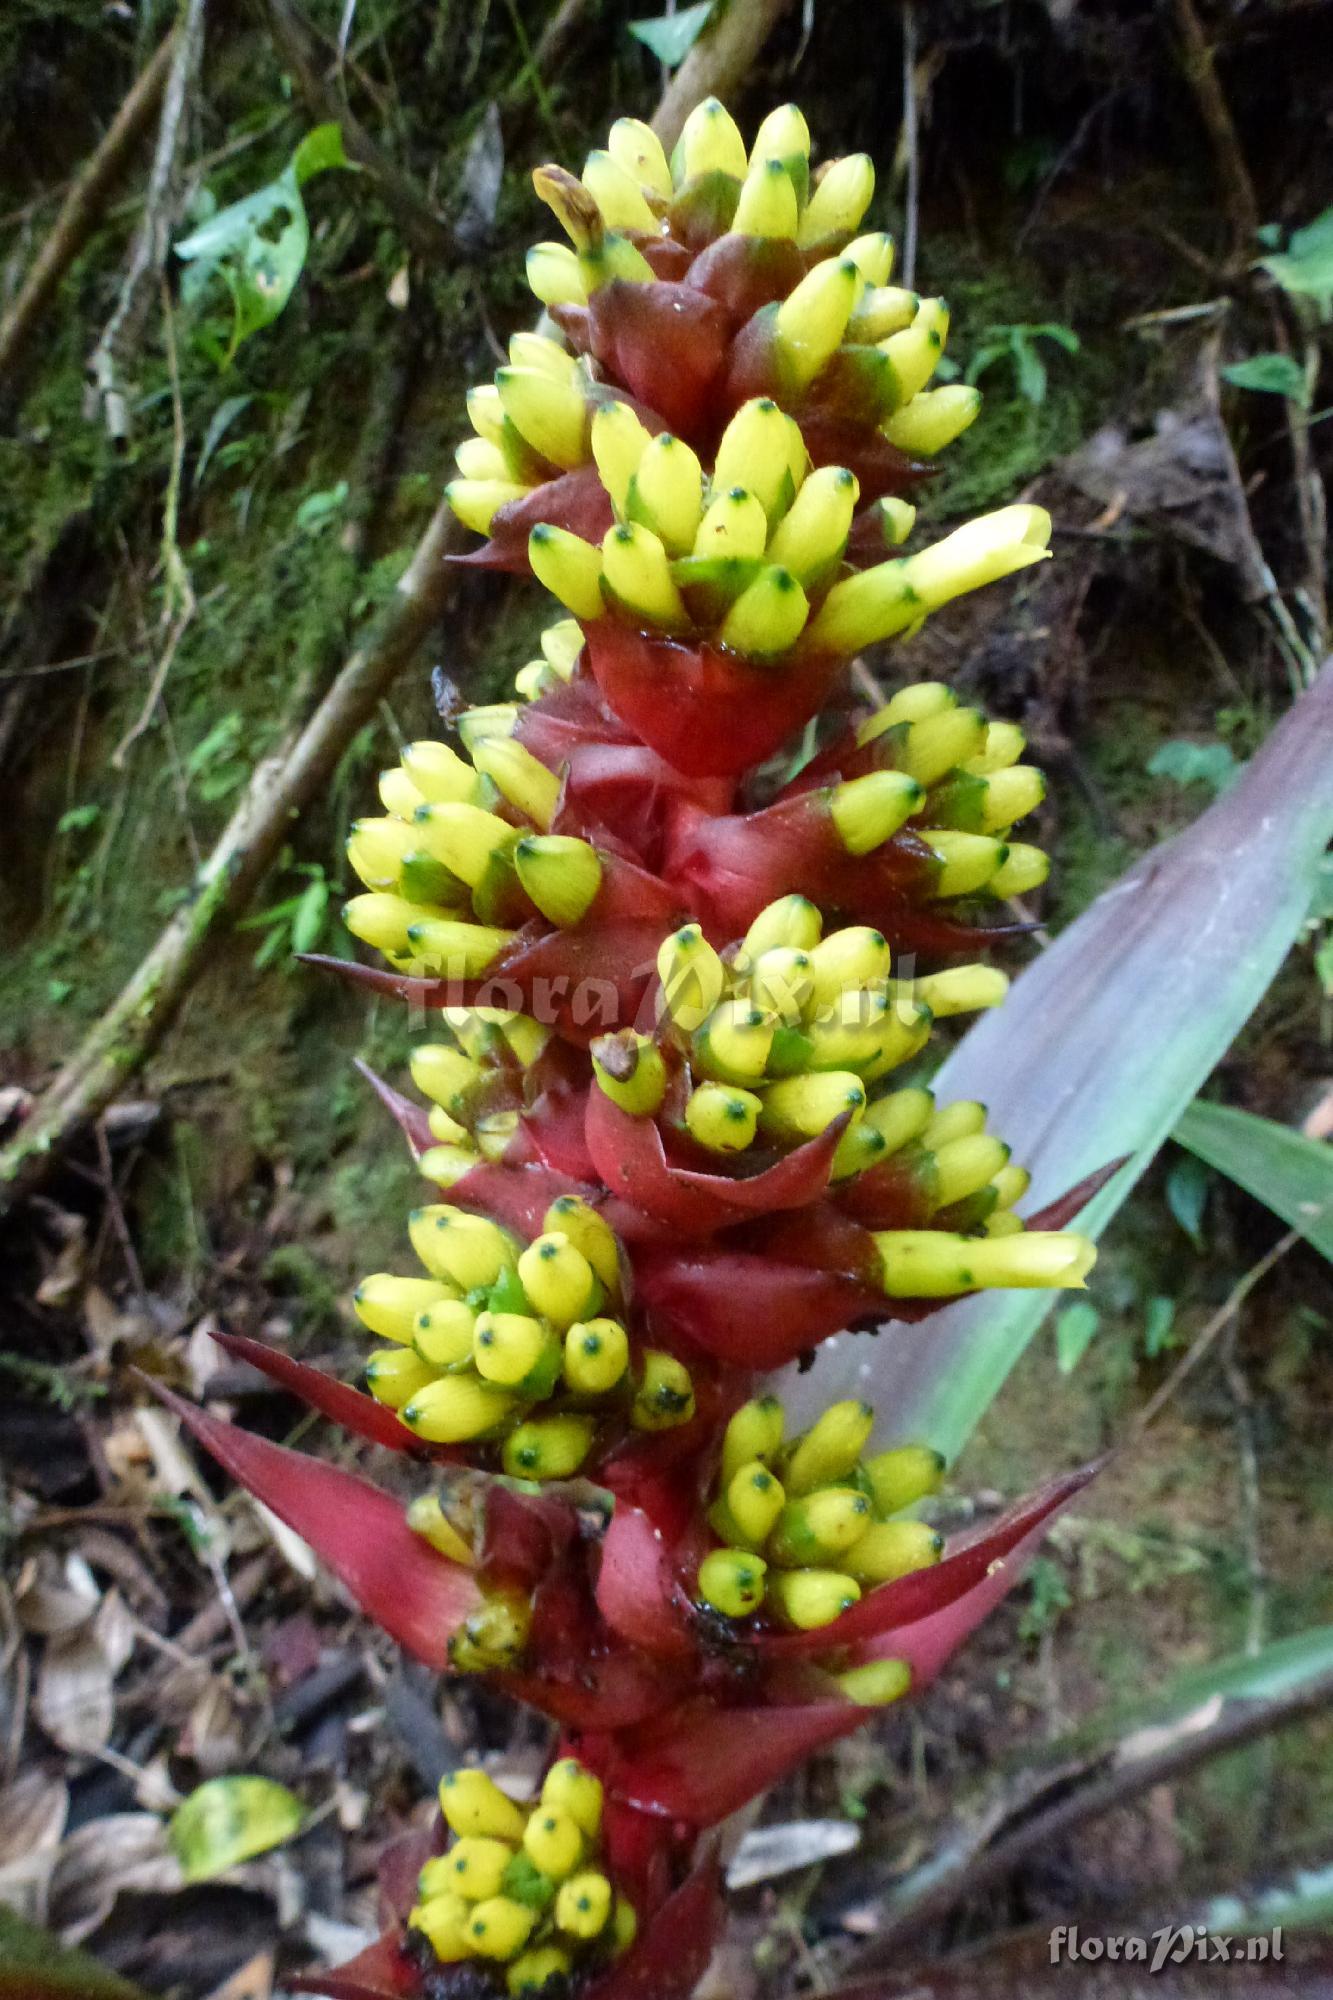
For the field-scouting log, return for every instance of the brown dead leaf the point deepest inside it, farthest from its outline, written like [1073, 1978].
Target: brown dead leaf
[33, 1811]
[75, 1699]
[253, 1980]
[55, 1594]
[122, 1851]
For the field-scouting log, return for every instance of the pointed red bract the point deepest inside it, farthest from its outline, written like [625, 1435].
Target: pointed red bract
[341, 1404]
[383, 1971]
[671, 1953]
[752, 1310]
[359, 1533]
[637, 1593]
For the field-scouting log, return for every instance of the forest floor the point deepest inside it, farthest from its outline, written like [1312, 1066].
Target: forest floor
[155, 1631]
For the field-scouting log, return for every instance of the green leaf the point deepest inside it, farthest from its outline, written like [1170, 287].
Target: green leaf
[1189, 763]
[308, 921]
[1030, 369]
[1074, 1330]
[219, 424]
[1293, 1175]
[33, 1966]
[1274, 374]
[230, 1820]
[1157, 1325]
[1187, 1196]
[1305, 267]
[317, 152]
[1103, 1042]
[672, 36]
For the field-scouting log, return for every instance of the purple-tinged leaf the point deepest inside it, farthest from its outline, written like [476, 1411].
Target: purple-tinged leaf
[1103, 1042]
[361, 1534]
[383, 1971]
[411, 1118]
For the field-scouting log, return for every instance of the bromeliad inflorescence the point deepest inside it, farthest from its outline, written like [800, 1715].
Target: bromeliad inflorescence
[682, 916]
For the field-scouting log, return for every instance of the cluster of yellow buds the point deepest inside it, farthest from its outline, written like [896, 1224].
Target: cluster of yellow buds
[804, 1523]
[522, 1888]
[463, 854]
[749, 556]
[498, 1328]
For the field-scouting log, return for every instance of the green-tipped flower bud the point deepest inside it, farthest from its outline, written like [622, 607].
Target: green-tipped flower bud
[754, 453]
[933, 1264]
[547, 1447]
[666, 493]
[811, 536]
[722, 1117]
[507, 1347]
[596, 1356]
[754, 1432]
[732, 1581]
[830, 1449]
[476, 502]
[444, 1333]
[637, 574]
[877, 1683]
[810, 323]
[841, 197]
[969, 862]
[767, 205]
[1023, 869]
[933, 419]
[550, 414]
[630, 1069]
[519, 777]
[570, 568]
[868, 811]
[734, 524]
[618, 441]
[692, 977]
[473, 1804]
[533, 1971]
[443, 1921]
[570, 1788]
[901, 1477]
[665, 1395]
[733, 1044]
[891, 1549]
[964, 989]
[801, 1107]
[473, 1868]
[617, 194]
[560, 874]
[811, 1598]
[396, 1374]
[768, 616]
[552, 1840]
[389, 1305]
[637, 148]
[965, 1165]
[818, 1526]
[847, 960]
[901, 1116]
[583, 1906]
[454, 1244]
[558, 1279]
[499, 1928]
[755, 1499]
[427, 1518]
[456, 1410]
[792, 921]
[589, 1233]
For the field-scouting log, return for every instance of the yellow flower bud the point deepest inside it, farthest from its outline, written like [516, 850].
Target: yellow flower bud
[476, 725]
[965, 1165]
[624, 1926]
[877, 604]
[454, 950]
[493, 1636]
[1011, 1184]
[596, 1356]
[588, 1232]
[389, 1306]
[877, 1683]
[1023, 869]
[618, 442]
[964, 989]
[692, 977]
[767, 205]
[558, 1279]
[968, 861]
[377, 849]
[636, 572]
[447, 1165]
[901, 1116]
[443, 1335]
[934, 744]
[915, 351]
[840, 198]
[901, 1477]
[722, 1117]
[847, 960]
[768, 616]
[455, 1410]
[933, 419]
[666, 493]
[982, 551]
[427, 1518]
[570, 1788]
[386, 922]
[733, 1044]
[935, 1264]
[474, 1867]
[1011, 795]
[873, 256]
[665, 1395]
[398, 794]
[734, 524]
[710, 142]
[453, 1244]
[617, 194]
[1004, 745]
[784, 135]
[476, 502]
[732, 1581]
[531, 1971]
[755, 1499]
[637, 148]
[554, 275]
[801, 1107]
[810, 1598]
[754, 453]
[781, 984]
[584, 1905]
[477, 459]
[507, 1347]
[885, 310]
[958, 1120]
[547, 1447]
[830, 1449]
[519, 777]
[868, 811]
[819, 1525]
[792, 922]
[890, 1549]
[443, 1922]
[755, 1432]
[444, 1074]
[463, 837]
[811, 536]
[570, 568]
[630, 1069]
[500, 1927]
[553, 1842]
[395, 1374]
[810, 323]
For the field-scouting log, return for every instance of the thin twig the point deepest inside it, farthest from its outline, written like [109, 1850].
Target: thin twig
[911, 144]
[84, 205]
[1200, 67]
[1209, 1333]
[148, 253]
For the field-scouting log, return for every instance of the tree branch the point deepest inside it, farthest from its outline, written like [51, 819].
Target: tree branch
[83, 206]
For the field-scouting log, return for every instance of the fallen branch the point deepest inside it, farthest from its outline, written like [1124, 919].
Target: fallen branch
[84, 205]
[718, 63]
